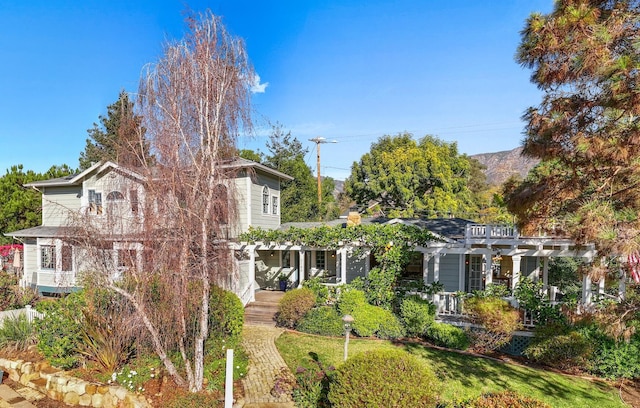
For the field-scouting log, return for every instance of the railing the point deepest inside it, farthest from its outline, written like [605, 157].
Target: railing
[481, 231]
[30, 312]
[246, 294]
[450, 304]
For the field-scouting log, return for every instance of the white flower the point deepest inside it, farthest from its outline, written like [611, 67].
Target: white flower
[134, 372]
[152, 375]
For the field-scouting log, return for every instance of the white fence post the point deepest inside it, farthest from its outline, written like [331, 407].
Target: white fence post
[228, 381]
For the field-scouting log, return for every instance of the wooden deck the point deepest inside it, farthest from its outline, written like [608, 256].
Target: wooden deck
[263, 310]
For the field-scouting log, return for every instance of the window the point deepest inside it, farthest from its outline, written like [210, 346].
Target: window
[115, 195]
[274, 205]
[48, 257]
[127, 258]
[265, 200]
[95, 202]
[320, 260]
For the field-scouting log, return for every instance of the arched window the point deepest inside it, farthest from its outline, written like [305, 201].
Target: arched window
[115, 195]
[265, 200]
[220, 204]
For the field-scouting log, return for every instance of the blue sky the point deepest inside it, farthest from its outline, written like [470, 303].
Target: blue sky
[345, 70]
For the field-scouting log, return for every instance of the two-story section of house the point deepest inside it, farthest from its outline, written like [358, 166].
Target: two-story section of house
[112, 199]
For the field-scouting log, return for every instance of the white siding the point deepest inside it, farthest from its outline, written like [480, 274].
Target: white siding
[356, 265]
[30, 261]
[267, 221]
[57, 202]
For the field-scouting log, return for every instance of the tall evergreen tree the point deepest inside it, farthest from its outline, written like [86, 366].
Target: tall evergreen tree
[585, 58]
[119, 137]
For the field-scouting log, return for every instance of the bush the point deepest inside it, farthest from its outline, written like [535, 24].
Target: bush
[501, 400]
[497, 317]
[312, 386]
[321, 291]
[617, 360]
[369, 320]
[293, 306]
[226, 317]
[17, 333]
[417, 315]
[383, 378]
[559, 348]
[323, 320]
[446, 335]
[59, 330]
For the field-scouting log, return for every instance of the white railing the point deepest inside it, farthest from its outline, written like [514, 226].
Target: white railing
[28, 311]
[246, 295]
[482, 231]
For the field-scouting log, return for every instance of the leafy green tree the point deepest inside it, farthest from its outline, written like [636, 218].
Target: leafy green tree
[299, 197]
[586, 130]
[249, 154]
[119, 137]
[20, 207]
[409, 178]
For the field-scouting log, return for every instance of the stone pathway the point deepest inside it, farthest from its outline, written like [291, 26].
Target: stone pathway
[265, 363]
[11, 399]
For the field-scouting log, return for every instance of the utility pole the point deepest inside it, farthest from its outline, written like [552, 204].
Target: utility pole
[318, 141]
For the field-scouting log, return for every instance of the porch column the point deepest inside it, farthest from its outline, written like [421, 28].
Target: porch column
[461, 272]
[302, 267]
[343, 265]
[436, 267]
[586, 289]
[425, 268]
[515, 275]
[545, 274]
[601, 286]
[252, 272]
[488, 272]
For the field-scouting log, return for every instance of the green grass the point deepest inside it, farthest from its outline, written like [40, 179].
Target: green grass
[462, 375]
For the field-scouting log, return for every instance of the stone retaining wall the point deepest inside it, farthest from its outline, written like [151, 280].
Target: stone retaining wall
[59, 386]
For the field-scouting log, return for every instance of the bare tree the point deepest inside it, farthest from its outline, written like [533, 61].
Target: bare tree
[165, 247]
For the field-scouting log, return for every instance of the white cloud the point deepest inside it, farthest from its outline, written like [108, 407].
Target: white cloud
[256, 86]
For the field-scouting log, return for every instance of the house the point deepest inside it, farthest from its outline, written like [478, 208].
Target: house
[465, 257]
[107, 192]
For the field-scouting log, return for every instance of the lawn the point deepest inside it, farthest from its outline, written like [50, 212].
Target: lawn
[462, 375]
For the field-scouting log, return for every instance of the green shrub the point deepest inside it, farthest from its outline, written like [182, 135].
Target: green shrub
[369, 320]
[17, 333]
[617, 360]
[226, 317]
[321, 291]
[323, 320]
[383, 378]
[350, 300]
[503, 399]
[312, 386]
[417, 315]
[293, 306]
[559, 348]
[446, 335]
[59, 330]
[498, 318]
[104, 342]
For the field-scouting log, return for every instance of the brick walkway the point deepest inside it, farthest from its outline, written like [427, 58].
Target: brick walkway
[265, 363]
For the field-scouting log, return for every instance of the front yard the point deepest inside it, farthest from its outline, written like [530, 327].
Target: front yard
[462, 375]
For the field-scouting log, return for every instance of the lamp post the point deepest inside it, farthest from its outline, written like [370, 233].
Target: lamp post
[318, 141]
[348, 320]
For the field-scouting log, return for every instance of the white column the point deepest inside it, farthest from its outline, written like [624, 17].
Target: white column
[586, 290]
[545, 274]
[425, 268]
[515, 275]
[343, 265]
[601, 286]
[488, 272]
[303, 266]
[436, 267]
[252, 272]
[461, 271]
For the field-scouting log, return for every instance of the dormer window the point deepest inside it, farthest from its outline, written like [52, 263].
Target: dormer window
[265, 200]
[95, 202]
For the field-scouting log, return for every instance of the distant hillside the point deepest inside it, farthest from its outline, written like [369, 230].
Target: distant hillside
[502, 165]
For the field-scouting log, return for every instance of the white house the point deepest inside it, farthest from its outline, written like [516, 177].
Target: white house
[52, 264]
